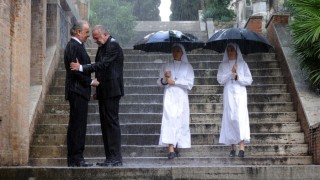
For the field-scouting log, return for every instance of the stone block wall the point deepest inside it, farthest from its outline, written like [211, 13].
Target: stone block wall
[15, 54]
[38, 36]
[5, 56]
[312, 134]
[254, 24]
[29, 57]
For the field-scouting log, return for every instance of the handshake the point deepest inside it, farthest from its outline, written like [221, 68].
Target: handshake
[95, 83]
[75, 66]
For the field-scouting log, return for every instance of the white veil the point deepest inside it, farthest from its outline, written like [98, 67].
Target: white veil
[184, 57]
[239, 54]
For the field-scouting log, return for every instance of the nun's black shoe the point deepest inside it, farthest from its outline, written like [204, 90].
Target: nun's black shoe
[241, 153]
[171, 155]
[232, 153]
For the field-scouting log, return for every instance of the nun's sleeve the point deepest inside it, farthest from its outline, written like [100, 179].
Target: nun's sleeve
[223, 76]
[245, 78]
[162, 80]
[187, 82]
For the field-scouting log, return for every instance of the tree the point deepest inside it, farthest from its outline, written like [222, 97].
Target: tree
[306, 36]
[146, 10]
[184, 10]
[218, 10]
[116, 15]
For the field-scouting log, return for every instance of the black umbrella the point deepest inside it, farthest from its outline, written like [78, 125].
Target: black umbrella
[162, 41]
[248, 41]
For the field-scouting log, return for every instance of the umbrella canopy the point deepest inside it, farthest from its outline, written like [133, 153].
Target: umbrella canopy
[162, 41]
[248, 41]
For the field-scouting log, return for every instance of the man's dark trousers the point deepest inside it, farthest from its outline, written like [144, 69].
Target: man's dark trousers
[77, 127]
[110, 126]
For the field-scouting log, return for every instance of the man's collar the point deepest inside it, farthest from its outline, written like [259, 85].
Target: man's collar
[75, 38]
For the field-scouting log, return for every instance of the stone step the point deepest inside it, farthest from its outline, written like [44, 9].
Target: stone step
[196, 65]
[153, 139]
[154, 128]
[197, 72]
[194, 107]
[257, 80]
[255, 117]
[188, 161]
[193, 98]
[194, 151]
[163, 171]
[192, 57]
[197, 89]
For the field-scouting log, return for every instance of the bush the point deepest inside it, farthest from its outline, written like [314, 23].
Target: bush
[305, 34]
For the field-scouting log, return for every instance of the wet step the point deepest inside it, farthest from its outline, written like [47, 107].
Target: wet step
[197, 72]
[194, 107]
[153, 139]
[254, 117]
[189, 161]
[196, 65]
[193, 98]
[257, 80]
[196, 57]
[194, 151]
[154, 128]
[197, 89]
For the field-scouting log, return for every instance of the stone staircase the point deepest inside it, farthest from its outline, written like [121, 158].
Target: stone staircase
[146, 27]
[276, 137]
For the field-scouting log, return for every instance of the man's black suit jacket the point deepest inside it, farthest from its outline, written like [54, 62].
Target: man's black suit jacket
[76, 81]
[108, 69]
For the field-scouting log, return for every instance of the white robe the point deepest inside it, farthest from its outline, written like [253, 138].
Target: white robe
[176, 114]
[235, 119]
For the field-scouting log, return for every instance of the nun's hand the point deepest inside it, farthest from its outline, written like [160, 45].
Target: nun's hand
[170, 81]
[167, 74]
[234, 68]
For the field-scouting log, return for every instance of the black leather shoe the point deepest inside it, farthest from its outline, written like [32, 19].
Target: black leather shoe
[241, 153]
[72, 165]
[171, 155]
[84, 164]
[232, 153]
[107, 162]
[115, 163]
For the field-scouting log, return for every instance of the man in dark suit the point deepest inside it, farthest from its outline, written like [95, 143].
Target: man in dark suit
[109, 72]
[77, 92]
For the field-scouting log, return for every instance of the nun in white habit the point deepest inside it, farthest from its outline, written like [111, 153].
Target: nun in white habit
[177, 76]
[234, 74]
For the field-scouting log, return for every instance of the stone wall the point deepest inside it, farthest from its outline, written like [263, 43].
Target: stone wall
[30, 50]
[306, 103]
[15, 81]
[254, 24]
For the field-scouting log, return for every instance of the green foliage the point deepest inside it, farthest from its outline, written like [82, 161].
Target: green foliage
[184, 10]
[306, 36]
[218, 10]
[287, 7]
[116, 15]
[146, 10]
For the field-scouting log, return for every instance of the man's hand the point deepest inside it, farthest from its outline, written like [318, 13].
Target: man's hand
[75, 66]
[94, 96]
[95, 83]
